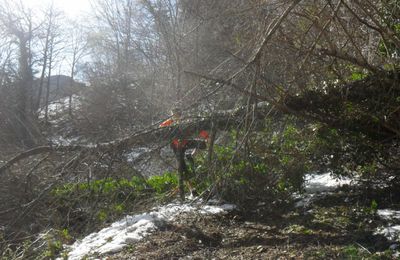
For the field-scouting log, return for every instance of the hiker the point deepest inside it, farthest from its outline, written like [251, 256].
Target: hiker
[183, 146]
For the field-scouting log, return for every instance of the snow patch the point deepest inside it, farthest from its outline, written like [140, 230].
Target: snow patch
[136, 153]
[134, 228]
[392, 233]
[324, 182]
[59, 140]
[214, 210]
[318, 185]
[388, 214]
[61, 106]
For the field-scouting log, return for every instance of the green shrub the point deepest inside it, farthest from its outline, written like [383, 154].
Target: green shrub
[163, 183]
[271, 168]
[95, 202]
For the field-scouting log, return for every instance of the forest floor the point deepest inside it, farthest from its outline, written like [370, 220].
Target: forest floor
[336, 226]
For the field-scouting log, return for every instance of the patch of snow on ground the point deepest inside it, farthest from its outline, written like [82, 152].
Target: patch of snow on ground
[319, 183]
[61, 105]
[133, 228]
[392, 231]
[324, 182]
[388, 214]
[59, 140]
[208, 209]
[136, 153]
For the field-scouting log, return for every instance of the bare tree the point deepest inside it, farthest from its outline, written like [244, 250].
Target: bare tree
[47, 36]
[77, 49]
[20, 26]
[54, 45]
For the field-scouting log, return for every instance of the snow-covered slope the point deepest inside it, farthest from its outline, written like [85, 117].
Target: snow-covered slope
[61, 106]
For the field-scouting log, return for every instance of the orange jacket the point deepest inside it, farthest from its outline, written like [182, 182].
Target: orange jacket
[167, 122]
[176, 142]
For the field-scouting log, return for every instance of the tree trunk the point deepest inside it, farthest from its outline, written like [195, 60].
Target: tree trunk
[44, 67]
[23, 93]
[45, 58]
[46, 115]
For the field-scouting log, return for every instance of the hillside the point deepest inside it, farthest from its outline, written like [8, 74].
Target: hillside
[229, 129]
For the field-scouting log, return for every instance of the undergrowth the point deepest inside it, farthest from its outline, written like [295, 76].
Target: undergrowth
[104, 200]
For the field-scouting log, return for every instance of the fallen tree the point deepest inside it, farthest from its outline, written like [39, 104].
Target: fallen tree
[152, 135]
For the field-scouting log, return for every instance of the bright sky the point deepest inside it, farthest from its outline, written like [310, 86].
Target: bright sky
[72, 8]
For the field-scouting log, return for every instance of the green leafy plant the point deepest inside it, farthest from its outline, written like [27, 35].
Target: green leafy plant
[53, 249]
[273, 167]
[351, 252]
[95, 202]
[163, 183]
[374, 207]
[65, 235]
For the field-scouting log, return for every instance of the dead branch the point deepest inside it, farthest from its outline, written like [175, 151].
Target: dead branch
[145, 137]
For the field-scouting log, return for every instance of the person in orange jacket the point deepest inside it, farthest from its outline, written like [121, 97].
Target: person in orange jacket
[180, 143]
